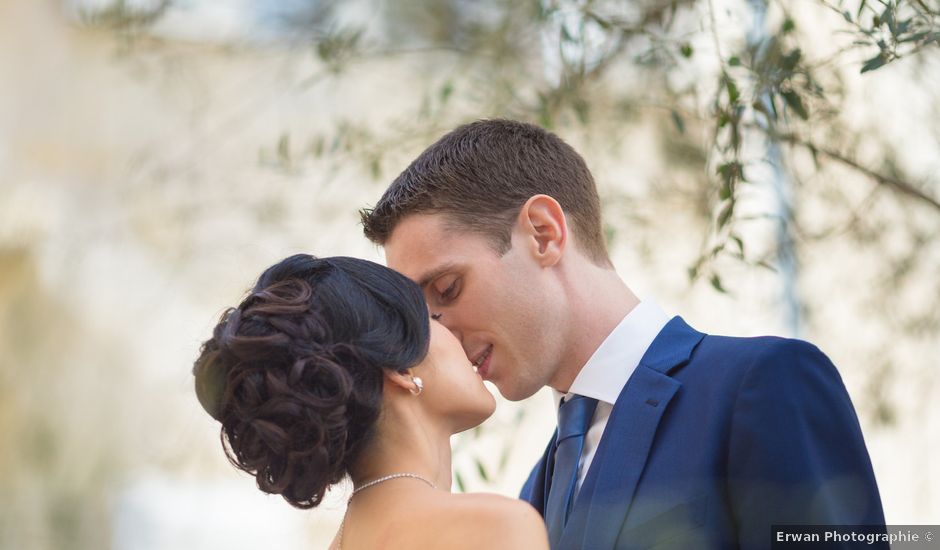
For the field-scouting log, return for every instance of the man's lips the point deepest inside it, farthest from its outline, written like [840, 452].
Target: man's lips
[483, 360]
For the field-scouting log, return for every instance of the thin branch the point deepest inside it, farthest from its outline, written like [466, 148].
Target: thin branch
[855, 217]
[714, 33]
[899, 185]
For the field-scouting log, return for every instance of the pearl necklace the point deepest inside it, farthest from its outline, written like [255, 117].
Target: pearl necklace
[339, 539]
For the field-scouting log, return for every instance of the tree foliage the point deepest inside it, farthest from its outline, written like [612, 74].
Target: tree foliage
[730, 87]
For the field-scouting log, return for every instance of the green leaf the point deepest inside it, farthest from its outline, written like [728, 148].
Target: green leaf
[318, 145]
[734, 61]
[861, 6]
[504, 458]
[715, 280]
[731, 172]
[732, 88]
[610, 233]
[604, 23]
[677, 120]
[581, 110]
[874, 63]
[760, 107]
[724, 192]
[888, 17]
[737, 240]
[795, 102]
[544, 111]
[789, 61]
[458, 479]
[815, 153]
[686, 50]
[903, 26]
[735, 135]
[766, 265]
[725, 216]
[446, 90]
[545, 119]
[283, 148]
[723, 119]
[482, 471]
[788, 26]
[339, 46]
[915, 37]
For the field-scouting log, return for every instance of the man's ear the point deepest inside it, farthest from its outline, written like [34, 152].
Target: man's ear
[542, 223]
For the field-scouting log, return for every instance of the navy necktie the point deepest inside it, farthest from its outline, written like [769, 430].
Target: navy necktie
[574, 418]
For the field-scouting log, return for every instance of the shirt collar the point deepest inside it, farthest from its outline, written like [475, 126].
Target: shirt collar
[607, 371]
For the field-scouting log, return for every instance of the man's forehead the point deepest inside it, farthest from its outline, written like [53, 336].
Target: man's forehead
[425, 246]
[419, 243]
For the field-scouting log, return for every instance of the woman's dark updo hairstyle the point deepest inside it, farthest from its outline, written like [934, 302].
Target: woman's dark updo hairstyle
[295, 372]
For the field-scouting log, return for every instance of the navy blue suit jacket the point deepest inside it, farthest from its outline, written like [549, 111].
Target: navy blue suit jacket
[713, 440]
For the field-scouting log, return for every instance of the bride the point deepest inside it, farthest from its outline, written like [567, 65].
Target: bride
[330, 368]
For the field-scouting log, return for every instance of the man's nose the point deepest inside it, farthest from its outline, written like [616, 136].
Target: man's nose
[450, 322]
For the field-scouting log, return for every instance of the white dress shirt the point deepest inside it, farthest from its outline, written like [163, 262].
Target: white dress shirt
[607, 371]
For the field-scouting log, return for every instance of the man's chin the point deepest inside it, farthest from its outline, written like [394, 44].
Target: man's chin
[514, 393]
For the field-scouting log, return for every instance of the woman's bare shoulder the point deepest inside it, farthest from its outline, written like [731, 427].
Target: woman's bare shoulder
[487, 520]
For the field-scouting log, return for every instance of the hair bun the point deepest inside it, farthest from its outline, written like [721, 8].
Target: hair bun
[210, 376]
[292, 374]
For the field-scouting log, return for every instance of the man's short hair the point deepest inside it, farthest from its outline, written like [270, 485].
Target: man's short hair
[480, 174]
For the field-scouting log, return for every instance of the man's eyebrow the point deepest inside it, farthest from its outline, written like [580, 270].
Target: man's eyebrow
[435, 273]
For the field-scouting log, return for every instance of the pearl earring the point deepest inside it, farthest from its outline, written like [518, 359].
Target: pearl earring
[419, 385]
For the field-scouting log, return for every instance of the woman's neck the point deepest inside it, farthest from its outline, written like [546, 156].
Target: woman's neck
[406, 445]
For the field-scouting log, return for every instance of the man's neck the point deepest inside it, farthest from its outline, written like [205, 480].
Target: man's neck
[599, 301]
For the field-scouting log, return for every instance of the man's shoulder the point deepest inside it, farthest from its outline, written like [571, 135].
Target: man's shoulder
[771, 365]
[750, 344]
[735, 361]
[748, 351]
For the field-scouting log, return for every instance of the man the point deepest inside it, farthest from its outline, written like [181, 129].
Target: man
[666, 436]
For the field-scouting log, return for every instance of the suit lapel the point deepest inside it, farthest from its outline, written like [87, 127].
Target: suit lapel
[605, 498]
[607, 493]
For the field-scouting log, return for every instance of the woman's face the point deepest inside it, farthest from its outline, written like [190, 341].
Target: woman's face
[452, 388]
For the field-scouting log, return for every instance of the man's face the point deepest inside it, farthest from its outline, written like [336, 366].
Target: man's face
[506, 311]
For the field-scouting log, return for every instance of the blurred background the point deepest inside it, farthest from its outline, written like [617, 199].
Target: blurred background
[765, 167]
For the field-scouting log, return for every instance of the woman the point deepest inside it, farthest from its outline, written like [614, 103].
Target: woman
[331, 367]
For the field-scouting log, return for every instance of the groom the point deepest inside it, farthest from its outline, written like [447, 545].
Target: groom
[667, 436]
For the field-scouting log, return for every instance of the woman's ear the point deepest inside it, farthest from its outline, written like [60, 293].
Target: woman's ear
[542, 223]
[403, 379]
